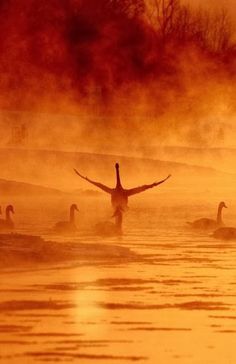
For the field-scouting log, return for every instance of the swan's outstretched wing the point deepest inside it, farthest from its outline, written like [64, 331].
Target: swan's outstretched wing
[134, 191]
[97, 184]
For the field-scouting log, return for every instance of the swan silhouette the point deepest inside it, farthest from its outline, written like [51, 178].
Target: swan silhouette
[206, 223]
[108, 228]
[68, 226]
[7, 224]
[120, 195]
[225, 233]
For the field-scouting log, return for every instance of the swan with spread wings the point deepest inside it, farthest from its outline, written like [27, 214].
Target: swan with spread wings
[120, 195]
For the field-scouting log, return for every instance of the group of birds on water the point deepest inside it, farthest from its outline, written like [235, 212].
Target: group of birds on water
[69, 226]
[119, 200]
[220, 231]
[102, 228]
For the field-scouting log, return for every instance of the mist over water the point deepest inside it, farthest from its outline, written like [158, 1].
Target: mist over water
[177, 296]
[86, 84]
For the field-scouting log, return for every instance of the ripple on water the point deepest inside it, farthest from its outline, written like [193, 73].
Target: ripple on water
[176, 278]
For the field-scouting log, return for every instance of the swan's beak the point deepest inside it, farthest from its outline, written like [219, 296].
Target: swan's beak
[77, 209]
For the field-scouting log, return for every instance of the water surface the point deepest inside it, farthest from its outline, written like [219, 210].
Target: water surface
[177, 304]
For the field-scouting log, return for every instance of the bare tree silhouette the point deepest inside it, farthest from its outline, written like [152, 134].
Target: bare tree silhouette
[174, 21]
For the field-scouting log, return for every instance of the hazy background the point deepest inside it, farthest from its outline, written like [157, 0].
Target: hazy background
[229, 4]
[115, 77]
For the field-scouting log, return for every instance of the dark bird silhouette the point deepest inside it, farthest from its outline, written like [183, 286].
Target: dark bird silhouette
[109, 228]
[7, 224]
[67, 226]
[205, 223]
[118, 214]
[225, 233]
[120, 195]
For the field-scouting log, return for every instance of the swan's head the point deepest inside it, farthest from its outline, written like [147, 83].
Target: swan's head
[117, 166]
[10, 208]
[222, 204]
[74, 207]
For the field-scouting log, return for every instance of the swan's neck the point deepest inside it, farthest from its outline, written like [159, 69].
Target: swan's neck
[72, 215]
[118, 183]
[219, 215]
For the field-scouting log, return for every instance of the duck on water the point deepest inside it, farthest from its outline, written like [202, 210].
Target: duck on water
[120, 195]
[206, 223]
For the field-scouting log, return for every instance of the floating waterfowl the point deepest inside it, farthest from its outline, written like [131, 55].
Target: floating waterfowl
[109, 228]
[7, 223]
[68, 226]
[205, 223]
[225, 233]
[120, 195]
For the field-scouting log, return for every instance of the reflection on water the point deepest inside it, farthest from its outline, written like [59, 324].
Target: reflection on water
[176, 304]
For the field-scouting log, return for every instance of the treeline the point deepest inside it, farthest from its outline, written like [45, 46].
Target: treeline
[174, 21]
[138, 39]
[110, 43]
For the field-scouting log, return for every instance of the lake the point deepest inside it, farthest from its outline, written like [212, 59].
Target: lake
[175, 304]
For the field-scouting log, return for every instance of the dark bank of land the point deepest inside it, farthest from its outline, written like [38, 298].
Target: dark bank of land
[18, 251]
